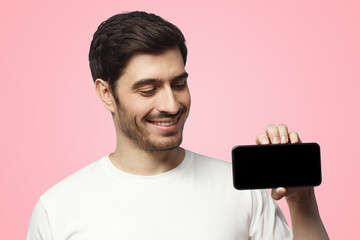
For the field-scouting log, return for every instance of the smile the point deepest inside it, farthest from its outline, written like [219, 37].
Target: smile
[164, 123]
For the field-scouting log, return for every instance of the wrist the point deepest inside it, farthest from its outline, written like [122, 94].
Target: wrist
[302, 197]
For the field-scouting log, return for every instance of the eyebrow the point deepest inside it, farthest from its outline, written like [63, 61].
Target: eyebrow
[147, 81]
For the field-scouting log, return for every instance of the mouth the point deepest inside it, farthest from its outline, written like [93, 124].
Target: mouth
[164, 123]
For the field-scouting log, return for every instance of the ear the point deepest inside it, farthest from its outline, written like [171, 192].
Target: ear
[103, 91]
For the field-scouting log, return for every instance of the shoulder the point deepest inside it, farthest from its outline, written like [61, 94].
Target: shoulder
[212, 172]
[210, 165]
[218, 174]
[206, 160]
[76, 183]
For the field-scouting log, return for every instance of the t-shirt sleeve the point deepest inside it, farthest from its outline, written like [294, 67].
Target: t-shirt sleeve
[268, 222]
[39, 226]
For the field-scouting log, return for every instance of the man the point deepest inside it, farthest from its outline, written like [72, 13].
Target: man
[149, 187]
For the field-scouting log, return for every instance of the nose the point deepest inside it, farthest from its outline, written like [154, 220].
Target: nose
[167, 102]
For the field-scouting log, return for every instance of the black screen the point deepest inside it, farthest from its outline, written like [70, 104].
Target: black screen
[280, 165]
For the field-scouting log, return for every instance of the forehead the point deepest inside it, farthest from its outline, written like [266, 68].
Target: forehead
[164, 65]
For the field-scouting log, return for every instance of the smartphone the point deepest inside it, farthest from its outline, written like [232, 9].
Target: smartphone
[277, 165]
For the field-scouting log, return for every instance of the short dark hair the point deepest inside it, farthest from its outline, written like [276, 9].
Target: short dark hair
[125, 34]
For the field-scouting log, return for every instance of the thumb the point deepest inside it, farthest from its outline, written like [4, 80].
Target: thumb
[278, 193]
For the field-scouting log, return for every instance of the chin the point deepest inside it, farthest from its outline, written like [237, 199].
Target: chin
[164, 146]
[157, 149]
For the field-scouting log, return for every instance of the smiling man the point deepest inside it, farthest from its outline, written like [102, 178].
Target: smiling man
[149, 110]
[150, 187]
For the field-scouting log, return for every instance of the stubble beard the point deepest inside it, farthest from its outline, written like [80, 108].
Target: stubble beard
[141, 138]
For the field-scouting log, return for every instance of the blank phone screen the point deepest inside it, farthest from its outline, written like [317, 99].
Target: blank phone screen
[280, 165]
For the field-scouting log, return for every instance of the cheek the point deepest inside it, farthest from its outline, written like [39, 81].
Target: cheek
[137, 105]
[186, 99]
[141, 109]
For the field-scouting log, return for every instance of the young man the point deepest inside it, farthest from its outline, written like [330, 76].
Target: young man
[149, 187]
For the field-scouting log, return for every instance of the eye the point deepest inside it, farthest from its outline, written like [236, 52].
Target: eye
[148, 92]
[180, 85]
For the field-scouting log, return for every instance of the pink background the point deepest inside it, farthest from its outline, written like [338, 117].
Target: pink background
[251, 63]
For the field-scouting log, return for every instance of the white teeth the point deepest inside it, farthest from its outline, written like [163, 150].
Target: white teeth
[165, 123]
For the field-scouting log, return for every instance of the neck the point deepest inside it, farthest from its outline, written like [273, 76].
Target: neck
[146, 163]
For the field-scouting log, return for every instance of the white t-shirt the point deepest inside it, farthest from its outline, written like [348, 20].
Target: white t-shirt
[194, 201]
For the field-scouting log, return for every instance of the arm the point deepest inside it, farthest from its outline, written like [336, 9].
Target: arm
[39, 225]
[304, 212]
[305, 218]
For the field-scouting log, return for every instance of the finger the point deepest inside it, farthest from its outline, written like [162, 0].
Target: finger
[283, 132]
[278, 193]
[273, 134]
[262, 139]
[294, 137]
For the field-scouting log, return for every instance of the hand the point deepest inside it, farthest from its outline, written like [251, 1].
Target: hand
[279, 135]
